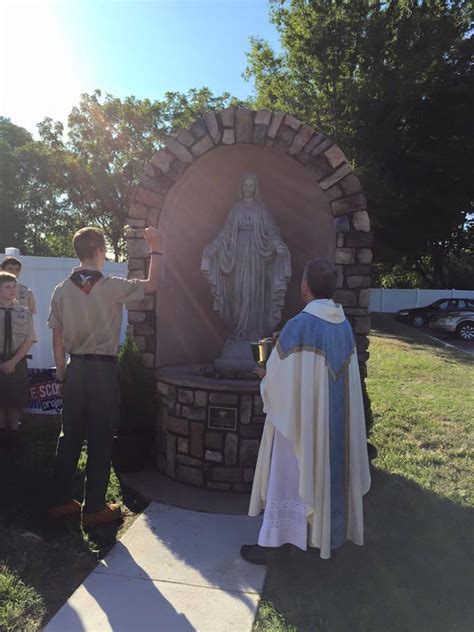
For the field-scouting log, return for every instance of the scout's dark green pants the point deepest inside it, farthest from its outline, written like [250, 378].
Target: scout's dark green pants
[91, 411]
[14, 386]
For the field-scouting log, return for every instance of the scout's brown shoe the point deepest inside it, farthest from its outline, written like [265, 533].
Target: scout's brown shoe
[109, 514]
[72, 508]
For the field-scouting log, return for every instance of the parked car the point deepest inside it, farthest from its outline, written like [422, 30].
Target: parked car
[420, 316]
[460, 323]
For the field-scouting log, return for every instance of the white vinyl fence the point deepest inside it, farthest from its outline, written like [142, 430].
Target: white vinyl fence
[383, 300]
[42, 274]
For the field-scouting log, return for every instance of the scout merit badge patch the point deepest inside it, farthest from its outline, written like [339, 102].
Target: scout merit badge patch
[86, 279]
[22, 292]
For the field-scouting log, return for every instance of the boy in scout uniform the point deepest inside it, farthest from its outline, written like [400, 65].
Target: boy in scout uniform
[86, 316]
[24, 295]
[17, 335]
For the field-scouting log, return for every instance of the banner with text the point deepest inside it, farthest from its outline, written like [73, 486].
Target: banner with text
[44, 397]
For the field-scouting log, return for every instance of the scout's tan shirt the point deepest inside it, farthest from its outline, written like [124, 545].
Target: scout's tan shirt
[25, 297]
[91, 322]
[22, 327]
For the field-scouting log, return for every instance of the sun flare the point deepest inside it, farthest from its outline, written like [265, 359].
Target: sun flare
[40, 71]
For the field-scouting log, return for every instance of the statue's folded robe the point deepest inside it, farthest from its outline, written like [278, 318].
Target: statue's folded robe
[312, 395]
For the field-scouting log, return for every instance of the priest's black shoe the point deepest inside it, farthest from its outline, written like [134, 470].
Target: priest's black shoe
[254, 553]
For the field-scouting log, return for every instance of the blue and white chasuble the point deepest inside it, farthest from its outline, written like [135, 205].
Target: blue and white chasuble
[312, 396]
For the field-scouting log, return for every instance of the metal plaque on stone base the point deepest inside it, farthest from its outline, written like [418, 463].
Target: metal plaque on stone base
[222, 418]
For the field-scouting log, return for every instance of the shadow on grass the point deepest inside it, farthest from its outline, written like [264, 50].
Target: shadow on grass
[53, 557]
[24, 504]
[385, 326]
[414, 572]
[130, 499]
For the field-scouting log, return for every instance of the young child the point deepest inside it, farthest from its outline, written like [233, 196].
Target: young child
[24, 294]
[17, 335]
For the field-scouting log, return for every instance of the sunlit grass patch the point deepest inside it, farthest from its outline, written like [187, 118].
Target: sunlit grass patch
[423, 406]
[20, 604]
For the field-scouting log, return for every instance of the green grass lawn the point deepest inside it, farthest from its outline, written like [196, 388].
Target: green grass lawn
[415, 572]
[42, 561]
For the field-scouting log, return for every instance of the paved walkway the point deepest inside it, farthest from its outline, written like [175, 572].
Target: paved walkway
[465, 346]
[175, 570]
[153, 486]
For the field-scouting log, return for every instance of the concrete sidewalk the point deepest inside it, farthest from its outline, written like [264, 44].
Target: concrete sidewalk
[175, 570]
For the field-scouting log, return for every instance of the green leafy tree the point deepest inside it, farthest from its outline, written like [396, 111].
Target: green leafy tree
[107, 143]
[50, 218]
[392, 83]
[12, 223]
[34, 216]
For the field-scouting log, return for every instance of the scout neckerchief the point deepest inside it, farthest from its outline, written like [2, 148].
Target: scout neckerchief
[7, 332]
[86, 279]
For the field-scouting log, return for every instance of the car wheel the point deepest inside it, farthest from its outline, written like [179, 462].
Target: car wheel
[466, 331]
[418, 321]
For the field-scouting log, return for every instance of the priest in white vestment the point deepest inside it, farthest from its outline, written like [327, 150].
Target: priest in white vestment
[312, 469]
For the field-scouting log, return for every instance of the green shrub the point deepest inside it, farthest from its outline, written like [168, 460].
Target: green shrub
[137, 390]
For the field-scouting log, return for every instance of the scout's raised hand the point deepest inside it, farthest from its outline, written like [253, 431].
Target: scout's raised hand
[153, 239]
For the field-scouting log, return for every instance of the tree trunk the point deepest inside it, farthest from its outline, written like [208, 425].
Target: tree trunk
[419, 267]
[438, 272]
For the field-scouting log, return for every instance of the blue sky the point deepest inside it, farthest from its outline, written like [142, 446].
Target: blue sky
[52, 51]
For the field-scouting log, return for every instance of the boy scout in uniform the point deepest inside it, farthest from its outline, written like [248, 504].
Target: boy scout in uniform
[17, 335]
[24, 295]
[86, 316]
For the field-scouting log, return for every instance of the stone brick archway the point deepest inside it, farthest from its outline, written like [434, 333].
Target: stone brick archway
[286, 135]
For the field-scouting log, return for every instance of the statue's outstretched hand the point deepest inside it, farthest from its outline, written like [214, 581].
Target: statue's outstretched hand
[282, 249]
[210, 249]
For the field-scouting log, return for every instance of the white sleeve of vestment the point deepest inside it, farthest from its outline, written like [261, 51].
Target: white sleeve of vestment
[359, 471]
[295, 397]
[258, 496]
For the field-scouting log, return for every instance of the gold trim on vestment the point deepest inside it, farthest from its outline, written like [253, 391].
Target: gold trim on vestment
[299, 348]
[347, 445]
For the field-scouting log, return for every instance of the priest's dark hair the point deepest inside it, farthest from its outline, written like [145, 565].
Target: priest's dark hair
[321, 276]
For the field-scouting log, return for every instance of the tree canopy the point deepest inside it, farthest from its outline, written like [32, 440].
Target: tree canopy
[35, 215]
[85, 173]
[393, 84]
[106, 145]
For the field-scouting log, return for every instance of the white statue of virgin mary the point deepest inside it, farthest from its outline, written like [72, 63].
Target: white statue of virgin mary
[248, 268]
